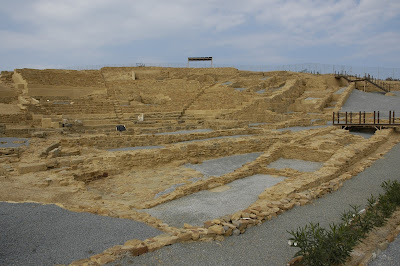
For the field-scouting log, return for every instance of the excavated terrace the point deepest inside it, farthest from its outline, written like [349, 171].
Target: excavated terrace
[206, 153]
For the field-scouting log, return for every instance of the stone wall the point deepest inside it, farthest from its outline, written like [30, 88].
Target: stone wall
[343, 97]
[112, 142]
[6, 78]
[12, 118]
[63, 78]
[7, 94]
[160, 73]
[58, 83]
[278, 102]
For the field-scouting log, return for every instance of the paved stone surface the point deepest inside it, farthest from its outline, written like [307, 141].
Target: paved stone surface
[225, 165]
[34, 234]
[206, 205]
[9, 142]
[267, 244]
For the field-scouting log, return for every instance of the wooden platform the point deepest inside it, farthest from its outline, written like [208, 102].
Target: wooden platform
[365, 120]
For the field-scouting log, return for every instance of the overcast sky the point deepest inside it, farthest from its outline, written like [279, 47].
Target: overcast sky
[61, 33]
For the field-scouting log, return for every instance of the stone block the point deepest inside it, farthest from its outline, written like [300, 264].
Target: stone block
[55, 125]
[195, 235]
[24, 168]
[103, 259]
[46, 122]
[216, 229]
[185, 236]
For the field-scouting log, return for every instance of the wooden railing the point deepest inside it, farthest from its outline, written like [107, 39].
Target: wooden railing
[376, 82]
[363, 119]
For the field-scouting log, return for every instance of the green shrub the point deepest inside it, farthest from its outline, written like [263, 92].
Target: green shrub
[319, 246]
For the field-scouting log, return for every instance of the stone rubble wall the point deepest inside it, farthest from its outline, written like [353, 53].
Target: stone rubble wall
[160, 73]
[343, 97]
[220, 97]
[184, 152]
[257, 109]
[12, 118]
[58, 83]
[294, 191]
[6, 78]
[235, 224]
[281, 100]
[112, 142]
[63, 78]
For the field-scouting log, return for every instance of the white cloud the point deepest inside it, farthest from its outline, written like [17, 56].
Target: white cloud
[76, 26]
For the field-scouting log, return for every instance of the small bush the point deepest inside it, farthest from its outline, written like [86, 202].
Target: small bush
[319, 246]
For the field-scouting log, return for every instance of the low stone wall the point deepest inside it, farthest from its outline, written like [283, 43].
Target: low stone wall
[343, 97]
[71, 92]
[12, 118]
[280, 100]
[58, 77]
[160, 73]
[111, 142]
[335, 166]
[198, 150]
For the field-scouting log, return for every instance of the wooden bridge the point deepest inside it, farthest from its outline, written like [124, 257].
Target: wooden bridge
[365, 120]
[380, 84]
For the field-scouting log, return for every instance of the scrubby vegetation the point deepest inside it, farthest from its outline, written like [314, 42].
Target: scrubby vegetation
[332, 246]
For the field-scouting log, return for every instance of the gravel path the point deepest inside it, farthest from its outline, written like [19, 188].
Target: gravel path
[369, 102]
[390, 256]
[34, 234]
[267, 244]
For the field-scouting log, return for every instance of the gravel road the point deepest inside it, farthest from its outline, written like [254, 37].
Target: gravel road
[369, 102]
[34, 234]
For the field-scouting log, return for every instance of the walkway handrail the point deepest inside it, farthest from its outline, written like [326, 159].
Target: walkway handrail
[364, 119]
[366, 78]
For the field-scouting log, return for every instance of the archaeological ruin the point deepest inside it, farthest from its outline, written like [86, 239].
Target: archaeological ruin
[200, 154]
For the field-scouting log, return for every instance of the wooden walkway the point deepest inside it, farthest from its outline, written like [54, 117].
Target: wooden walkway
[365, 120]
[367, 78]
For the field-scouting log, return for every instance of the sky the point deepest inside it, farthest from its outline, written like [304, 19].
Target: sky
[73, 33]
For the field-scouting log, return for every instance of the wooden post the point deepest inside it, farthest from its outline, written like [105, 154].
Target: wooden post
[393, 118]
[364, 117]
[346, 118]
[374, 117]
[390, 117]
[351, 117]
[359, 117]
[378, 117]
[338, 117]
[333, 118]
